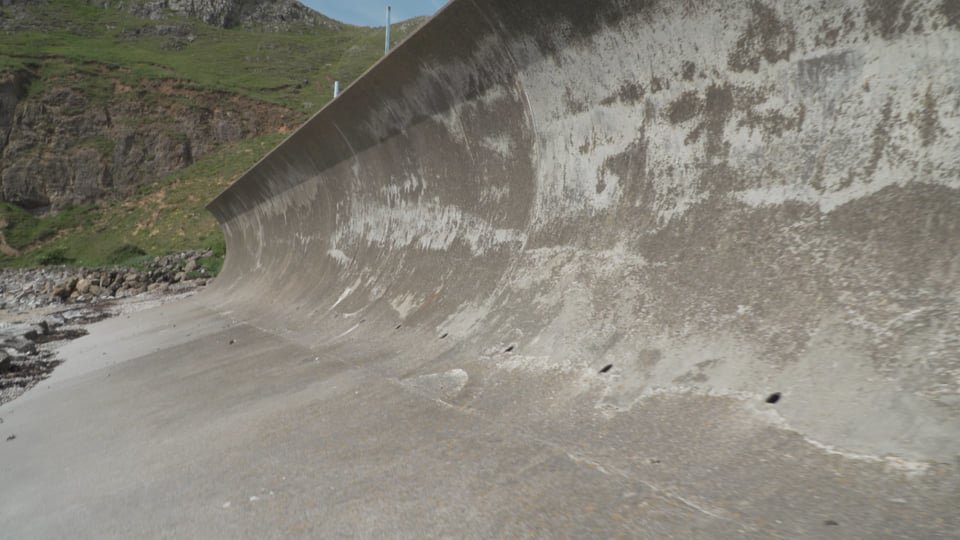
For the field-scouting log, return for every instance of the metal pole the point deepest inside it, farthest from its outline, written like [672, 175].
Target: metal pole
[336, 89]
[386, 43]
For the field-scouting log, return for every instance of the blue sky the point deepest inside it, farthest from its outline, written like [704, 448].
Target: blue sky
[372, 12]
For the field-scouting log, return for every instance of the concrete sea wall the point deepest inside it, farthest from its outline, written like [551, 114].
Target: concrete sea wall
[722, 200]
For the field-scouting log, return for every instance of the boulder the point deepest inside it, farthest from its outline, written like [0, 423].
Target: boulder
[83, 285]
[61, 292]
[35, 331]
[13, 330]
[53, 321]
[21, 345]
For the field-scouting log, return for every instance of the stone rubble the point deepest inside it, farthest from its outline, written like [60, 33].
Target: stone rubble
[28, 289]
[42, 307]
[22, 362]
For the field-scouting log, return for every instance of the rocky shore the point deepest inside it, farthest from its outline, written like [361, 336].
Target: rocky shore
[29, 289]
[40, 308]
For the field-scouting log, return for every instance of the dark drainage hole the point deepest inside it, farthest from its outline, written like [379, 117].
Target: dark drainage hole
[606, 368]
[774, 397]
[831, 523]
[399, 326]
[509, 349]
[443, 336]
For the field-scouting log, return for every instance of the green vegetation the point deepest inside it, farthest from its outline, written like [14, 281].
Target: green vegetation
[97, 51]
[295, 68]
[161, 218]
[125, 254]
[23, 229]
[103, 145]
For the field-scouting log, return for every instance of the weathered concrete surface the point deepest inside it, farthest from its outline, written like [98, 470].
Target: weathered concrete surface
[428, 282]
[716, 198]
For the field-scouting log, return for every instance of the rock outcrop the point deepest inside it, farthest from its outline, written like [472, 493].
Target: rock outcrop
[13, 88]
[69, 145]
[271, 14]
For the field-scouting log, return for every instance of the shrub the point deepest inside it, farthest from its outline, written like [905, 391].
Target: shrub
[125, 255]
[54, 257]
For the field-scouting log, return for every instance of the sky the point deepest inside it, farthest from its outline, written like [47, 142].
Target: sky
[373, 12]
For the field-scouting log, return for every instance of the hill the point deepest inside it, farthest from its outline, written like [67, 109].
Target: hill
[119, 121]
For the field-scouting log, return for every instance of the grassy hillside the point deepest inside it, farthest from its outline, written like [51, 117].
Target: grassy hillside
[59, 38]
[161, 218]
[295, 68]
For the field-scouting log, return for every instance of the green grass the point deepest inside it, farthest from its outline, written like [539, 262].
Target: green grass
[161, 218]
[24, 229]
[103, 145]
[65, 36]
[93, 50]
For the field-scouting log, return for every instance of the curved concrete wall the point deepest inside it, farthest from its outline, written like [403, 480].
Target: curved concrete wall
[721, 199]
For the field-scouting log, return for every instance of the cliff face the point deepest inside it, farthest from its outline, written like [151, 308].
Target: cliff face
[65, 146]
[13, 88]
[232, 13]
[100, 96]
